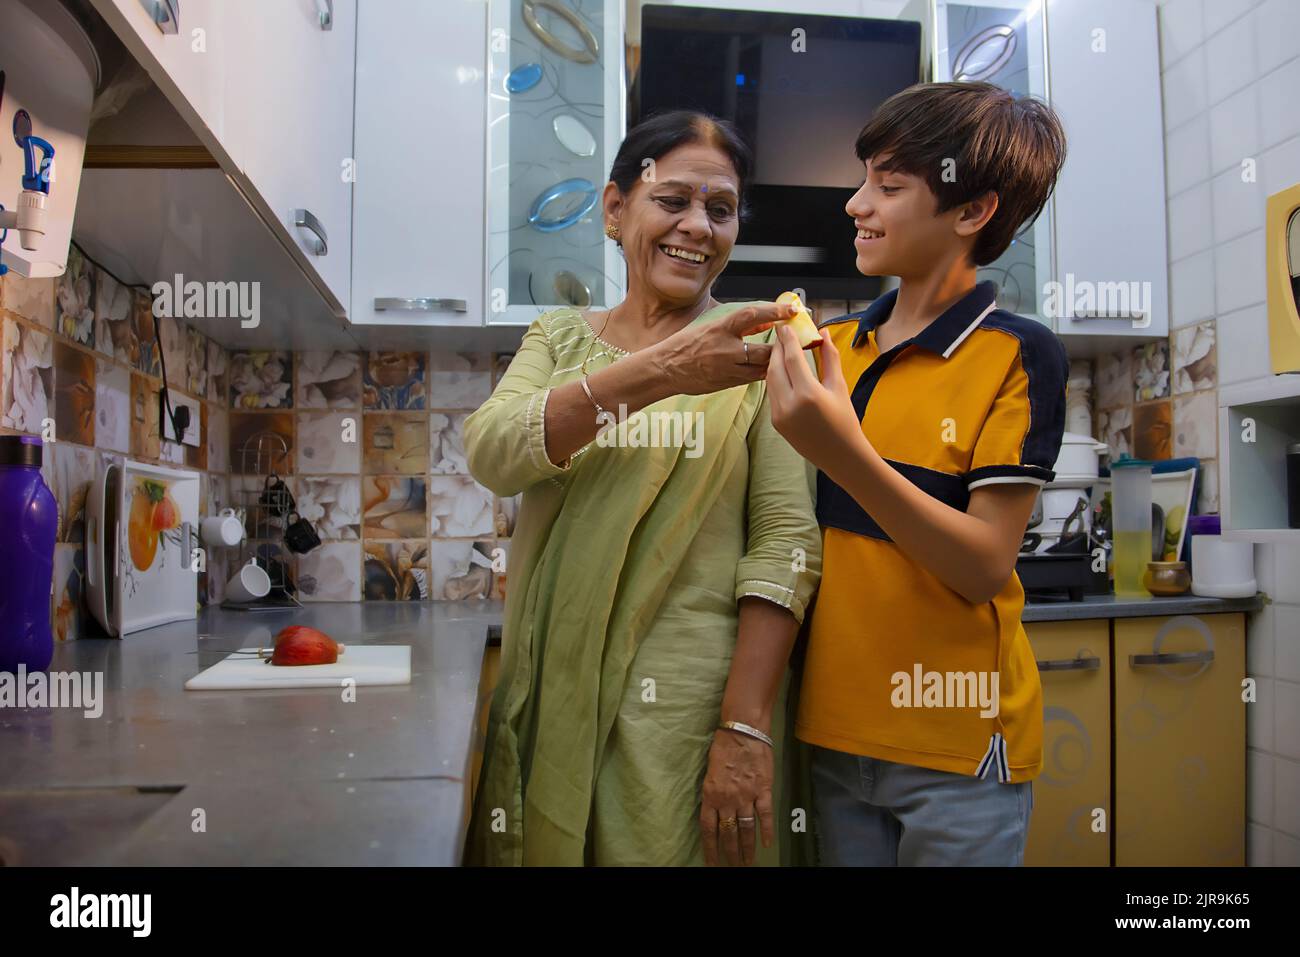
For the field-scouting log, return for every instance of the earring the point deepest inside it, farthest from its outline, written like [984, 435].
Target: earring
[611, 230]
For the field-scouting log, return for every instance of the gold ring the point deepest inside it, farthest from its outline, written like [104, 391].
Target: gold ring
[591, 49]
[746, 353]
[727, 824]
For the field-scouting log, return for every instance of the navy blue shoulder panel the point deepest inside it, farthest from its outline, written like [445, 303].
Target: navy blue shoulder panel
[1047, 367]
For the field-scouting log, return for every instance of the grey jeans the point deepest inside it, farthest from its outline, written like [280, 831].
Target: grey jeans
[873, 813]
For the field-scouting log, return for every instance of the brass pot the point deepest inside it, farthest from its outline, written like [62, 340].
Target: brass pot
[1167, 578]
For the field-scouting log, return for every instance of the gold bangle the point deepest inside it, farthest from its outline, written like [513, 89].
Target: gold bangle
[587, 389]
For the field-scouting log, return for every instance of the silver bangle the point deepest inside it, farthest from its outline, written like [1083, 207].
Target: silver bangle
[748, 731]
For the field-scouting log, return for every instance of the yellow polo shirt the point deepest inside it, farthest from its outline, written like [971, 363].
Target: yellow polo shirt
[899, 666]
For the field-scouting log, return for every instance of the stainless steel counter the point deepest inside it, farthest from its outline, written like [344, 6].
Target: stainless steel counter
[275, 776]
[1109, 606]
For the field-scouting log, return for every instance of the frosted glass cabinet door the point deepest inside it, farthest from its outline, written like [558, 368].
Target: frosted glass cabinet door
[1002, 42]
[555, 120]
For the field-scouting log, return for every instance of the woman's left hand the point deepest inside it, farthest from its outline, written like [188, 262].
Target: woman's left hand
[736, 799]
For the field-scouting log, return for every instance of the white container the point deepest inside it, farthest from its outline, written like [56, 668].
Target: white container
[1078, 461]
[1222, 569]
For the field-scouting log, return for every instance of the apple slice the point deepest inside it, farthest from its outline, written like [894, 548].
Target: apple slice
[805, 329]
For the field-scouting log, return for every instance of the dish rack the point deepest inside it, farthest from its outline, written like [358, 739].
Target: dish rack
[265, 503]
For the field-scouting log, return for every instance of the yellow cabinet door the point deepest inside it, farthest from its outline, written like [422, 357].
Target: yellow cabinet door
[1070, 821]
[1180, 741]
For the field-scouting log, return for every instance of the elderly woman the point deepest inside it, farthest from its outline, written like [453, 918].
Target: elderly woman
[658, 573]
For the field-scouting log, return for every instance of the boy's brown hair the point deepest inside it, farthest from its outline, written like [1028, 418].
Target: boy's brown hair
[997, 142]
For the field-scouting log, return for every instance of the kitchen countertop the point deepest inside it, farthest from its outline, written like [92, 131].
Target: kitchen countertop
[281, 776]
[1109, 606]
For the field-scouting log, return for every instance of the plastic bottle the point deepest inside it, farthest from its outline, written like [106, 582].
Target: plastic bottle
[29, 523]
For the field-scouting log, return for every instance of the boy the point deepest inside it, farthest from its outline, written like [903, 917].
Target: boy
[936, 419]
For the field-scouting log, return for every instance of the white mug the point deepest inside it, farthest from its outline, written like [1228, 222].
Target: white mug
[223, 530]
[248, 584]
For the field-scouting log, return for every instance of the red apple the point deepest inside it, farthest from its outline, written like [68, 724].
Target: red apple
[300, 645]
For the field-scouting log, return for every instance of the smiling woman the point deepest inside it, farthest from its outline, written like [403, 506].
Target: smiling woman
[653, 596]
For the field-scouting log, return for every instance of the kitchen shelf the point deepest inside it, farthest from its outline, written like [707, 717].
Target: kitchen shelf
[1252, 475]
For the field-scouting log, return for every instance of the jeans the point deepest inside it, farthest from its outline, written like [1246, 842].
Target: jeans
[873, 813]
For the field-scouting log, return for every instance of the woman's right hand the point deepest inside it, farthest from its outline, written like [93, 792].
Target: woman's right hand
[702, 359]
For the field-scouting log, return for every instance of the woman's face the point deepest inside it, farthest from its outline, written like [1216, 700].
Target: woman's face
[679, 222]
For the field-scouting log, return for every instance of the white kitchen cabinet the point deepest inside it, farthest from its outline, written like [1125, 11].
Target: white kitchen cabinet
[421, 123]
[288, 123]
[555, 118]
[1094, 266]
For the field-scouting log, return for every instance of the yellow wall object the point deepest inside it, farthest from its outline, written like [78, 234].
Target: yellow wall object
[1180, 741]
[1283, 314]
[1071, 821]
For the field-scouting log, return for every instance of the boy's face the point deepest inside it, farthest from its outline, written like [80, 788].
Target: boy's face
[899, 231]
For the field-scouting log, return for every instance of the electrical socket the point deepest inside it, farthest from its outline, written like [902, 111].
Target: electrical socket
[191, 435]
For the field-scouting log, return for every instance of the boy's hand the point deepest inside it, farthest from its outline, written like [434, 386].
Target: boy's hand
[816, 418]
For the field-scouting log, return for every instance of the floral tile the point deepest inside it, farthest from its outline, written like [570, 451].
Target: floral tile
[1195, 358]
[458, 380]
[218, 439]
[328, 442]
[329, 380]
[1196, 422]
[397, 571]
[174, 351]
[71, 619]
[506, 514]
[218, 367]
[196, 362]
[1115, 383]
[74, 471]
[394, 380]
[75, 300]
[261, 442]
[447, 443]
[331, 572]
[196, 456]
[1153, 430]
[461, 570]
[74, 394]
[112, 406]
[27, 357]
[394, 507]
[460, 507]
[1151, 370]
[1115, 428]
[148, 360]
[1207, 500]
[332, 505]
[218, 494]
[115, 333]
[33, 299]
[261, 380]
[396, 442]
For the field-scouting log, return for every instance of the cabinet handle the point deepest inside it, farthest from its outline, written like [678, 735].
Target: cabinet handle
[304, 219]
[1172, 658]
[421, 305]
[1070, 664]
[326, 10]
[165, 14]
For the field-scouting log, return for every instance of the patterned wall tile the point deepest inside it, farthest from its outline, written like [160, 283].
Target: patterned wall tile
[397, 571]
[74, 394]
[507, 512]
[33, 299]
[148, 359]
[74, 471]
[112, 406]
[175, 351]
[395, 442]
[329, 380]
[75, 300]
[1151, 370]
[1196, 425]
[447, 443]
[1115, 428]
[332, 504]
[218, 373]
[1115, 384]
[394, 380]
[461, 570]
[261, 380]
[196, 362]
[115, 333]
[71, 619]
[323, 443]
[394, 507]
[458, 380]
[1153, 430]
[331, 572]
[218, 439]
[1195, 358]
[28, 376]
[460, 507]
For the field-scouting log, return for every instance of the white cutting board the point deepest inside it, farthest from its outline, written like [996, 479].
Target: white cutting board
[365, 664]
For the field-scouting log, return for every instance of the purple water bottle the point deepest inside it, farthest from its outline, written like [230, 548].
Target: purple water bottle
[29, 522]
